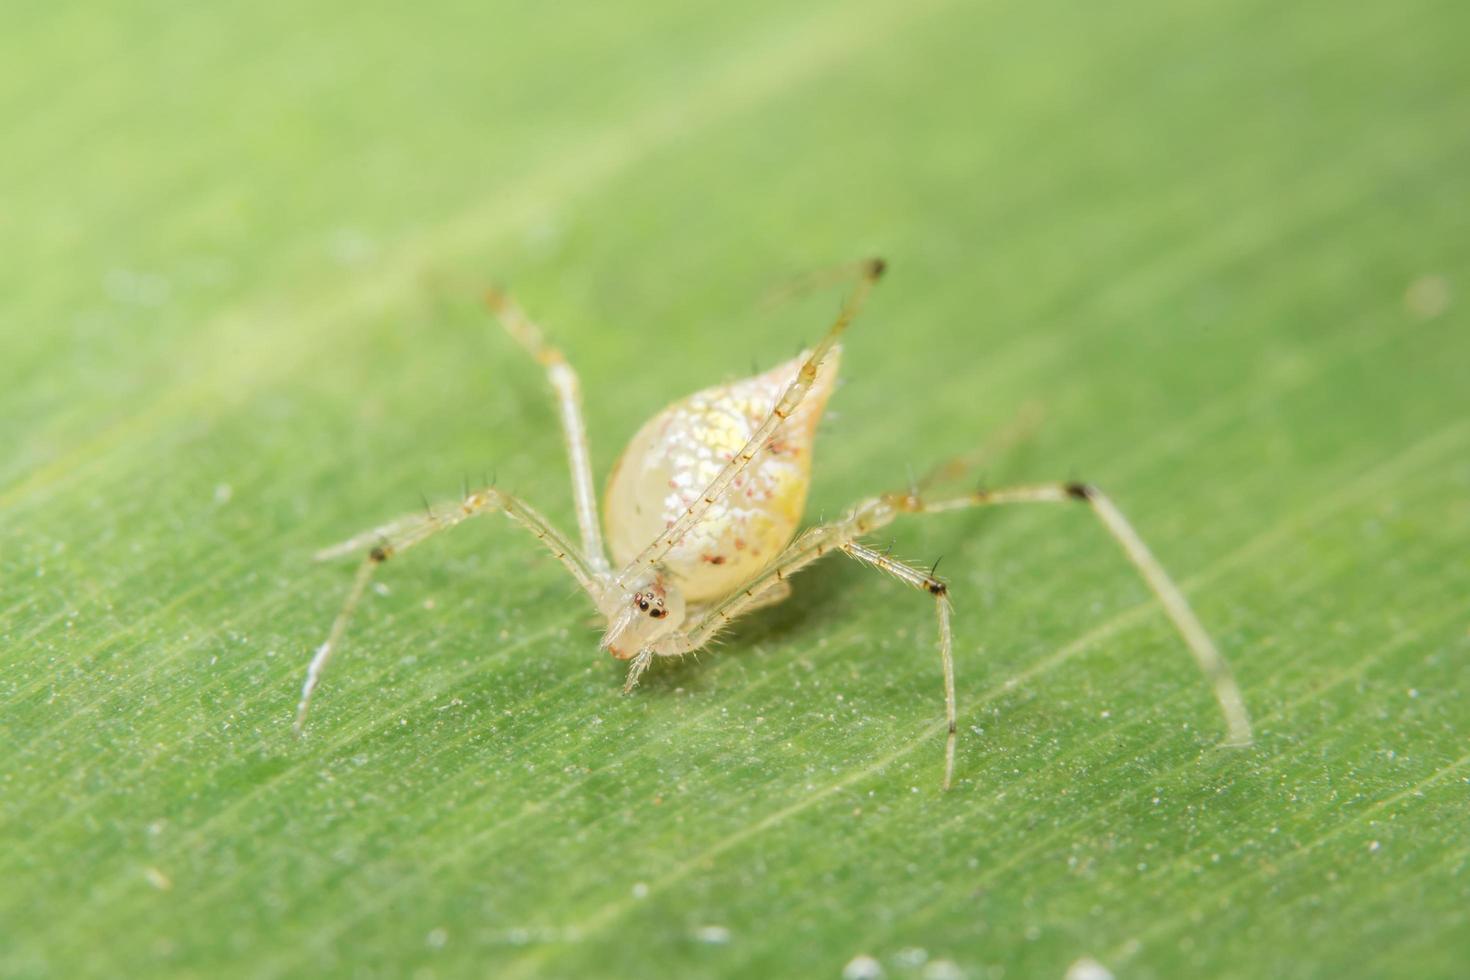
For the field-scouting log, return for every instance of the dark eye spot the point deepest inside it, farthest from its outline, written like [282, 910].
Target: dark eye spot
[643, 604]
[657, 614]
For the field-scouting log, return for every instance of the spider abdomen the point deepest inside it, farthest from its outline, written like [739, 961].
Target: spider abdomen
[678, 452]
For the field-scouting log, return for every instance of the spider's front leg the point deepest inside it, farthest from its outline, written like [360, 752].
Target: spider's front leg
[397, 536]
[773, 586]
[927, 583]
[636, 668]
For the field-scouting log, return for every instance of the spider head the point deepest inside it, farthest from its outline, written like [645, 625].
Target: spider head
[641, 615]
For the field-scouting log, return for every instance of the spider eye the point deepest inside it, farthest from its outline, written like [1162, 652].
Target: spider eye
[643, 604]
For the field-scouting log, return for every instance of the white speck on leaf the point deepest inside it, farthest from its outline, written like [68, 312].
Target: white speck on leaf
[911, 956]
[1088, 968]
[862, 967]
[714, 935]
[437, 938]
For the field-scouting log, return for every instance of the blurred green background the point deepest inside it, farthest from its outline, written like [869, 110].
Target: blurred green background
[1218, 248]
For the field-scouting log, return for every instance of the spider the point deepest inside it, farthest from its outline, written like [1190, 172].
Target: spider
[702, 511]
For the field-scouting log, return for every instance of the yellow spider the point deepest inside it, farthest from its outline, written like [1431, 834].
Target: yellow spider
[702, 511]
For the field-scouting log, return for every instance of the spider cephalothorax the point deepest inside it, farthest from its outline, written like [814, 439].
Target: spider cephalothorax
[643, 617]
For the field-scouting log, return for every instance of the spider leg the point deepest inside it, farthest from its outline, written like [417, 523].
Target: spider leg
[334, 637]
[925, 582]
[787, 404]
[877, 512]
[813, 280]
[574, 429]
[1002, 442]
[399, 535]
[772, 586]
[767, 588]
[771, 596]
[635, 670]
[1171, 597]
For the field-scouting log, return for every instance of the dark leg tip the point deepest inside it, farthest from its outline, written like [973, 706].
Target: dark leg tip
[379, 554]
[1081, 491]
[876, 267]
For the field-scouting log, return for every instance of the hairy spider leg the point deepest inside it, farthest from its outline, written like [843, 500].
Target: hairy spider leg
[568, 392]
[807, 548]
[877, 512]
[399, 535]
[924, 582]
[790, 399]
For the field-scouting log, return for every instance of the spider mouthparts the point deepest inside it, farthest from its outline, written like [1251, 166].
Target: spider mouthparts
[617, 654]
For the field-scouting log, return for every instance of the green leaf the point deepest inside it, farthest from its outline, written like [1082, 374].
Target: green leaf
[1217, 250]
